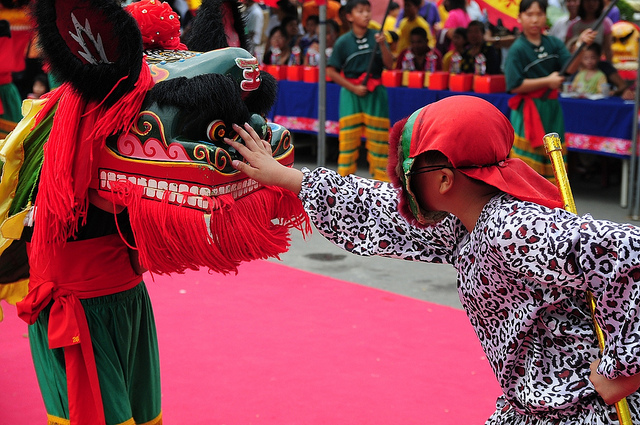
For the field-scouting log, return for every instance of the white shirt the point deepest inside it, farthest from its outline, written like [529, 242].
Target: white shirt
[255, 22]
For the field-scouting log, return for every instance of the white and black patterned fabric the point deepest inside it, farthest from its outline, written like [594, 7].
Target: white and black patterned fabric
[523, 273]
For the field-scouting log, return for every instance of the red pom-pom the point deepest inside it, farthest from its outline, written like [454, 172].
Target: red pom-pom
[159, 24]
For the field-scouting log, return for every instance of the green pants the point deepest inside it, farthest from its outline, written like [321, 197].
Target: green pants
[123, 334]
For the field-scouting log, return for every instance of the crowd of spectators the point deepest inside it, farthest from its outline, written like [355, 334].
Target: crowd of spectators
[425, 36]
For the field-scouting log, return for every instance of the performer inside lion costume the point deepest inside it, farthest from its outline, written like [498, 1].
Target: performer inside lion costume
[123, 168]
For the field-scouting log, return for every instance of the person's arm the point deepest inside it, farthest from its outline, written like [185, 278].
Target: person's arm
[620, 84]
[586, 37]
[357, 214]
[551, 81]
[336, 77]
[387, 57]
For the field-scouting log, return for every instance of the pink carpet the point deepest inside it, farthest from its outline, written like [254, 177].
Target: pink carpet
[275, 345]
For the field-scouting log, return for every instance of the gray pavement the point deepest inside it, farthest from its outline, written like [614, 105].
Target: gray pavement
[595, 193]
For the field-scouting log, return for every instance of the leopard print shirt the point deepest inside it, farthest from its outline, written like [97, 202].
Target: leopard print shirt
[523, 273]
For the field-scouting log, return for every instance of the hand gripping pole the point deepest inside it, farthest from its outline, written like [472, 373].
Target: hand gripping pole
[553, 146]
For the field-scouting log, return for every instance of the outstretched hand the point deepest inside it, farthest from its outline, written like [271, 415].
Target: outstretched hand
[260, 164]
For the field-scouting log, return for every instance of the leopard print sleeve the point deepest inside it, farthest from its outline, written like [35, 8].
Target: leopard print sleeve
[361, 216]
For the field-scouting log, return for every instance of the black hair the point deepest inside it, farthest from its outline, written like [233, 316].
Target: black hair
[313, 18]
[419, 31]
[457, 4]
[595, 48]
[394, 36]
[279, 29]
[42, 78]
[583, 13]
[351, 4]
[393, 6]
[416, 3]
[461, 31]
[476, 24]
[201, 99]
[334, 26]
[285, 22]
[526, 4]
[288, 8]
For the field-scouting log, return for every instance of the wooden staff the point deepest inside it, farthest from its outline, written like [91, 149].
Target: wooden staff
[375, 47]
[553, 147]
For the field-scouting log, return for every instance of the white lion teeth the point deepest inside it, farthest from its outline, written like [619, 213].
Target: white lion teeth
[180, 193]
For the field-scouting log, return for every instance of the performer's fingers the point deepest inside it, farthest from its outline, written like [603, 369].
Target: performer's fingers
[248, 140]
[240, 166]
[255, 135]
[242, 149]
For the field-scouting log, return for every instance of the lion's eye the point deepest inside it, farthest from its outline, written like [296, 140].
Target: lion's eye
[216, 131]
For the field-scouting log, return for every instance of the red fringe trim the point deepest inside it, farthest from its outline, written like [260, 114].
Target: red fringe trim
[173, 239]
[79, 133]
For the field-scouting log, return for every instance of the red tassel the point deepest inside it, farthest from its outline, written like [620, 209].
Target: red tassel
[78, 134]
[173, 238]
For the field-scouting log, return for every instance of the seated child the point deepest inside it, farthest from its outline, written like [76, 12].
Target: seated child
[590, 80]
[311, 34]
[524, 264]
[410, 21]
[419, 53]
[459, 43]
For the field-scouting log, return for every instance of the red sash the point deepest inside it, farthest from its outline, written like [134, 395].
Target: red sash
[533, 128]
[372, 83]
[78, 270]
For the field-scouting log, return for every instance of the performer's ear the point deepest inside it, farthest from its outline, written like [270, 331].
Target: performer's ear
[447, 180]
[218, 24]
[93, 44]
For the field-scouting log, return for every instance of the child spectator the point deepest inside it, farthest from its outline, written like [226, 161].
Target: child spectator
[619, 86]
[278, 51]
[458, 17]
[476, 46]
[40, 86]
[429, 11]
[312, 57]
[524, 264]
[393, 44]
[589, 11]
[392, 17]
[311, 33]
[531, 72]
[419, 52]
[291, 28]
[459, 42]
[590, 80]
[410, 21]
[363, 105]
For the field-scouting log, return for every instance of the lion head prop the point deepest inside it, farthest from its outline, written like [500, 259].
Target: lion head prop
[624, 45]
[138, 123]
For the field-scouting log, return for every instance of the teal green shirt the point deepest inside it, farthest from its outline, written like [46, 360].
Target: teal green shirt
[526, 60]
[352, 55]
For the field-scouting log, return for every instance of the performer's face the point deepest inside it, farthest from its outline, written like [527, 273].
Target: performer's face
[533, 20]
[360, 16]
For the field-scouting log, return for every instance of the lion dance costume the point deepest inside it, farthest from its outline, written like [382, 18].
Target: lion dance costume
[123, 168]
